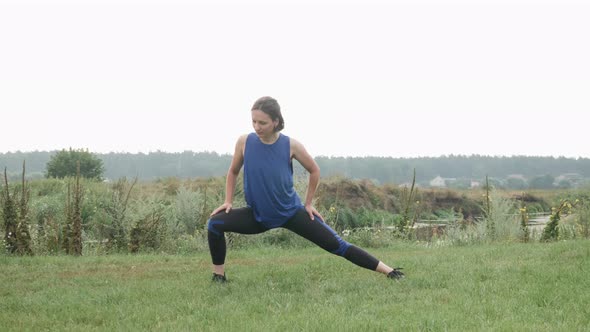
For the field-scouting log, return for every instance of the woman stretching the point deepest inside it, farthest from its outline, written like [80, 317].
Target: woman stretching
[272, 202]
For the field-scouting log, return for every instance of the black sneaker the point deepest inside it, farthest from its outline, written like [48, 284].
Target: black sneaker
[218, 278]
[396, 274]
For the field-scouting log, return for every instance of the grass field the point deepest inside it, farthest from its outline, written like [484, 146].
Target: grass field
[500, 287]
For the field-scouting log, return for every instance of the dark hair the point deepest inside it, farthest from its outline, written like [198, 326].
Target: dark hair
[271, 107]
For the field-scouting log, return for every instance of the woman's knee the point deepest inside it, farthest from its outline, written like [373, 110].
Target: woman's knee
[342, 247]
[333, 243]
[337, 244]
[213, 226]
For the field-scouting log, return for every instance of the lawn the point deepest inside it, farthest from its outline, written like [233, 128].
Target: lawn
[494, 287]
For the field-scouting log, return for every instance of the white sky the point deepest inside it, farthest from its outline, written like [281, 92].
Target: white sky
[354, 78]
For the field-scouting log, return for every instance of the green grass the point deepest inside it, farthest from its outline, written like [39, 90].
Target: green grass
[501, 287]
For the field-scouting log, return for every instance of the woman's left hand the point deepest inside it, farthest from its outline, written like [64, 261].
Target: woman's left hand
[313, 212]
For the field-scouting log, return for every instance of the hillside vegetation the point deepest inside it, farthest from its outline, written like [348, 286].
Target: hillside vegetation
[170, 214]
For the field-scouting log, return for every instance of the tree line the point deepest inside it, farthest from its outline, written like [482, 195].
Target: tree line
[189, 164]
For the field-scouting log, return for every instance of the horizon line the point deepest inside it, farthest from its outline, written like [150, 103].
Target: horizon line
[317, 156]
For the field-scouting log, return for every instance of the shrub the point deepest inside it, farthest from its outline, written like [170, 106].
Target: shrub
[500, 223]
[583, 220]
[551, 230]
[189, 211]
[113, 224]
[9, 217]
[148, 232]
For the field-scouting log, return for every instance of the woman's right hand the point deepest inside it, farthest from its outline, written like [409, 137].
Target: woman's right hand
[225, 206]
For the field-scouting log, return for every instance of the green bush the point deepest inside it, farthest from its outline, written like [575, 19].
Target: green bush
[500, 223]
[47, 216]
[47, 187]
[583, 220]
[189, 211]
[148, 233]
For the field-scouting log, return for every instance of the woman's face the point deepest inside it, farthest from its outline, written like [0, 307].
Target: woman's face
[263, 125]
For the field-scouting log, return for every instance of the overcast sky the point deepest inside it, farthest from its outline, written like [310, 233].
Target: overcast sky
[353, 78]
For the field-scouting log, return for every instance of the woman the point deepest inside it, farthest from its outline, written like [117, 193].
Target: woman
[267, 156]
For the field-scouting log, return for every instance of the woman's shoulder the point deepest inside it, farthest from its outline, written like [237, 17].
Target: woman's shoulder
[296, 145]
[242, 140]
[293, 141]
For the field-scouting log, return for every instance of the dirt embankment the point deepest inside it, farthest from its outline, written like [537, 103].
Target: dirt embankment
[357, 194]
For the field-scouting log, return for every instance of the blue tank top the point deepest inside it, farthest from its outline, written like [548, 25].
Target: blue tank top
[268, 180]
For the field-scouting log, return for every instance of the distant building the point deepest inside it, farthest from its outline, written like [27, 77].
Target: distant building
[441, 182]
[437, 182]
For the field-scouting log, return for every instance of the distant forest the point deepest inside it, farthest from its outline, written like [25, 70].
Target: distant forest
[381, 170]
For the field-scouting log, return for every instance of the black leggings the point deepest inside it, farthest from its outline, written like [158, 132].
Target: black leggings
[242, 221]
